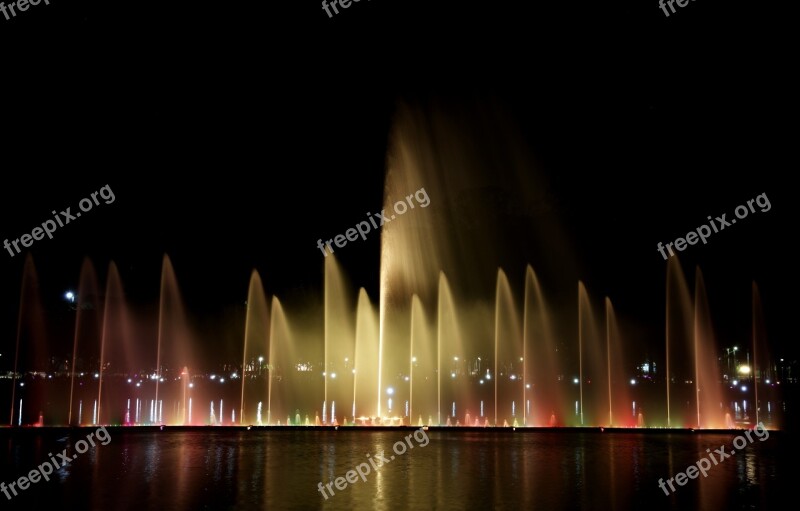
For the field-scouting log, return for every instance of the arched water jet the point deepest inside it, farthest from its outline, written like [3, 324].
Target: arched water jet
[364, 370]
[679, 339]
[30, 331]
[508, 355]
[339, 335]
[256, 346]
[709, 396]
[174, 340]
[115, 329]
[280, 363]
[87, 325]
[592, 364]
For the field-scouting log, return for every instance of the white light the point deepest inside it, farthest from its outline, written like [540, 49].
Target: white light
[481, 382]
[735, 383]
[767, 382]
[96, 375]
[222, 380]
[129, 380]
[527, 385]
[69, 295]
[452, 375]
[406, 378]
[390, 391]
[413, 359]
[744, 388]
[575, 381]
[455, 358]
[191, 385]
[260, 359]
[333, 375]
[633, 382]
[138, 384]
[213, 376]
[513, 376]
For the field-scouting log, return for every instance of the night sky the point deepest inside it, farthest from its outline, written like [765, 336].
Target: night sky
[234, 136]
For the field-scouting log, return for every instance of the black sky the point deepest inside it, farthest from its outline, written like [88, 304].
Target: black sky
[234, 136]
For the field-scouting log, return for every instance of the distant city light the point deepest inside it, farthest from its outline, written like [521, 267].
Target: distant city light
[70, 296]
[390, 391]
[633, 381]
[575, 381]
[744, 388]
[744, 369]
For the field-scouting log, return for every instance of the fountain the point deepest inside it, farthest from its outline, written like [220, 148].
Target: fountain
[461, 330]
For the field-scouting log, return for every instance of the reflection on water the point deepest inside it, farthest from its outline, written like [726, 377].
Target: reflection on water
[225, 469]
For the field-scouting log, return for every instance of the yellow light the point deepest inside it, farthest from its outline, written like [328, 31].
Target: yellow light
[744, 369]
